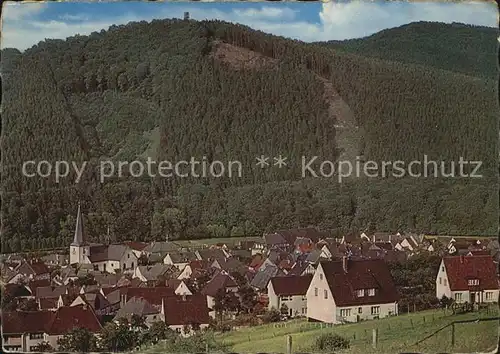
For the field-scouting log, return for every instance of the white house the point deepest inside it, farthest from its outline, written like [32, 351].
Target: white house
[348, 291]
[471, 279]
[291, 292]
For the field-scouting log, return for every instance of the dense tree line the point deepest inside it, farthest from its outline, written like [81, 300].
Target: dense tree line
[155, 90]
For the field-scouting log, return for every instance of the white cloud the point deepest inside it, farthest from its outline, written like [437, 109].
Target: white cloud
[13, 11]
[21, 28]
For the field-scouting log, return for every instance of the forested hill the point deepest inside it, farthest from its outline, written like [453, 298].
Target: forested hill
[467, 49]
[171, 89]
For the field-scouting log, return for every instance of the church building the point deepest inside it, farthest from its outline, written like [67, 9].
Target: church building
[111, 258]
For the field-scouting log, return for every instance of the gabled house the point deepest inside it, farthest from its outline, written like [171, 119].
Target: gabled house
[140, 307]
[348, 291]
[33, 271]
[180, 287]
[289, 291]
[136, 247]
[185, 314]
[24, 331]
[471, 279]
[180, 260]
[192, 269]
[221, 281]
[154, 273]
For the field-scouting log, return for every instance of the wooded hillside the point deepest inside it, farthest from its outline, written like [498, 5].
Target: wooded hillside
[171, 89]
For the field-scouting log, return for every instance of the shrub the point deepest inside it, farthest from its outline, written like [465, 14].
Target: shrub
[331, 342]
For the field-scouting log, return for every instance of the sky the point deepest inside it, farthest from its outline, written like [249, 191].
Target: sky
[25, 24]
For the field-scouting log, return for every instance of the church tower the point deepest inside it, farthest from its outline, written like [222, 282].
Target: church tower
[79, 249]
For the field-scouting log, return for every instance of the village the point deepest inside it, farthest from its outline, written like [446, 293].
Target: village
[285, 275]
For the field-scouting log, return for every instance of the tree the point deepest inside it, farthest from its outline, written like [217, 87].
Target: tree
[78, 339]
[160, 331]
[273, 315]
[248, 298]
[118, 337]
[43, 347]
[331, 342]
[284, 309]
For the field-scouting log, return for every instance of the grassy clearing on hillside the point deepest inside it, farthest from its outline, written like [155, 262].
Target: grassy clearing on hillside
[212, 241]
[396, 334]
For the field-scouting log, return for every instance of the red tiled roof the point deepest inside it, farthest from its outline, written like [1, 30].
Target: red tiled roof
[135, 245]
[34, 284]
[47, 304]
[17, 322]
[460, 269]
[67, 318]
[291, 285]
[40, 268]
[361, 274]
[151, 295]
[193, 309]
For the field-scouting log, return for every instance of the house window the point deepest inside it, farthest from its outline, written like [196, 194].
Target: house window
[286, 298]
[321, 277]
[36, 335]
[360, 293]
[96, 267]
[345, 312]
[326, 294]
[360, 310]
[440, 281]
[154, 317]
[33, 348]
[489, 295]
[473, 282]
[371, 292]
[375, 310]
[458, 296]
[445, 282]
[304, 310]
[304, 298]
[178, 330]
[128, 255]
[315, 291]
[442, 268]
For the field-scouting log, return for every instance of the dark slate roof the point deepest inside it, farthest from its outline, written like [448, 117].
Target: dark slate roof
[219, 281]
[136, 306]
[291, 285]
[361, 274]
[162, 247]
[182, 257]
[263, 276]
[99, 253]
[79, 237]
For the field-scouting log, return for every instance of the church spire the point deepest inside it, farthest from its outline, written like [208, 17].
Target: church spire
[79, 239]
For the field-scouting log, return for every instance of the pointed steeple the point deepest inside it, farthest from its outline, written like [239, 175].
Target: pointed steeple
[79, 238]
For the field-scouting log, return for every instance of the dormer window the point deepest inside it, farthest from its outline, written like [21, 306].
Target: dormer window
[371, 292]
[473, 282]
[360, 293]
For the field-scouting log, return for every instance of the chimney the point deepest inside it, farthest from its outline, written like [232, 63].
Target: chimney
[344, 264]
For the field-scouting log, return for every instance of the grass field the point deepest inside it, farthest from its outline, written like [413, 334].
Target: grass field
[395, 334]
[212, 241]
